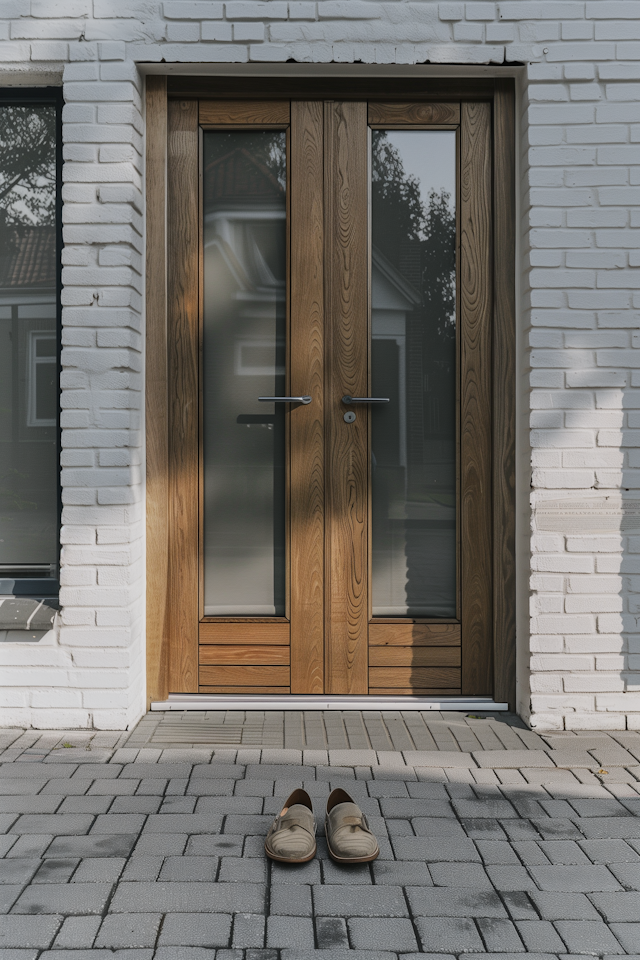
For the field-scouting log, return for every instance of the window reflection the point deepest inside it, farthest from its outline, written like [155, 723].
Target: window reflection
[413, 362]
[29, 396]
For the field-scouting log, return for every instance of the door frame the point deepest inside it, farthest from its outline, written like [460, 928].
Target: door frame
[164, 612]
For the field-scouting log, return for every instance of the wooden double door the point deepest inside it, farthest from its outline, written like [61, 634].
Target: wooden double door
[330, 397]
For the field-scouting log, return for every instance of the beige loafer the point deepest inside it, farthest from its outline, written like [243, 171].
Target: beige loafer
[349, 838]
[292, 835]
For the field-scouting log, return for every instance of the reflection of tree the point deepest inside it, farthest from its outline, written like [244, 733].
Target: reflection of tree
[419, 240]
[262, 146]
[27, 165]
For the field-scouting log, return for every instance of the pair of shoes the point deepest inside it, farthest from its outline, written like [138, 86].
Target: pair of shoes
[292, 836]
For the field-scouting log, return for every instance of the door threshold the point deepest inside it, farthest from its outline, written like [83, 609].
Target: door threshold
[205, 701]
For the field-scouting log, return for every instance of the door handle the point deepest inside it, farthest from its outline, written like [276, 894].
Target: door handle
[365, 399]
[285, 399]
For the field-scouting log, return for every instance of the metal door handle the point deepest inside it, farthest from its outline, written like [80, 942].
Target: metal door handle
[365, 399]
[285, 399]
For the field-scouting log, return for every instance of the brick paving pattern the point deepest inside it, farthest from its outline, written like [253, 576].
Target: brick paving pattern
[493, 839]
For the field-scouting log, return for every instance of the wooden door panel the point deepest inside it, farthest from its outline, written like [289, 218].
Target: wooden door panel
[249, 631]
[414, 657]
[414, 113]
[244, 675]
[347, 455]
[415, 677]
[265, 112]
[413, 634]
[243, 653]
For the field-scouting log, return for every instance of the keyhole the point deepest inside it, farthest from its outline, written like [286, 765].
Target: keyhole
[349, 417]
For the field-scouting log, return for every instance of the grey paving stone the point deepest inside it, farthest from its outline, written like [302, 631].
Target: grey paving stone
[337, 900]
[459, 875]
[441, 935]
[46, 803]
[180, 897]
[570, 906]
[627, 873]
[575, 879]
[509, 759]
[77, 933]
[484, 829]
[282, 932]
[388, 788]
[142, 868]
[423, 848]
[340, 873]
[161, 844]
[588, 936]
[398, 873]
[138, 930]
[444, 902]
[382, 933]
[429, 827]
[195, 930]
[331, 932]
[138, 804]
[518, 830]
[609, 851]
[492, 809]
[112, 788]
[105, 954]
[496, 851]
[91, 846]
[519, 905]
[57, 824]
[93, 805]
[103, 772]
[267, 771]
[114, 824]
[188, 823]
[298, 954]
[181, 804]
[618, 907]
[28, 931]
[99, 870]
[137, 771]
[9, 893]
[209, 845]
[438, 758]
[510, 878]
[558, 829]
[302, 873]
[599, 808]
[540, 936]
[248, 930]
[189, 868]
[148, 787]
[628, 935]
[611, 828]
[29, 846]
[499, 935]
[293, 900]
[195, 953]
[18, 869]
[239, 870]
[41, 771]
[55, 871]
[6, 843]
[64, 898]
[246, 788]
[563, 851]
[20, 787]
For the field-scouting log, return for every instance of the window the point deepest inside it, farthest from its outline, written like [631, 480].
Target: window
[29, 337]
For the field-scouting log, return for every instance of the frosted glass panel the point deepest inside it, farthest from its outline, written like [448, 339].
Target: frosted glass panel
[29, 392]
[413, 362]
[244, 358]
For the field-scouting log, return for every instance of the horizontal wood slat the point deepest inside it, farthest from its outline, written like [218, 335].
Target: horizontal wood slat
[271, 633]
[414, 113]
[231, 676]
[276, 691]
[239, 111]
[414, 634]
[412, 677]
[414, 657]
[411, 692]
[241, 654]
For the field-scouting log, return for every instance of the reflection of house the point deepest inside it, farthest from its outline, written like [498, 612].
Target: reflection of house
[28, 394]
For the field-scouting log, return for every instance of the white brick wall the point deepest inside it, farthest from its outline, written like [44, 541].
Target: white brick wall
[579, 323]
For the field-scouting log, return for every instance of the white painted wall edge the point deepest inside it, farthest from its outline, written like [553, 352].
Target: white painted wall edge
[203, 701]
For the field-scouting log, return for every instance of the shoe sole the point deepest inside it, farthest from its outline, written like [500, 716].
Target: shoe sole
[337, 859]
[273, 856]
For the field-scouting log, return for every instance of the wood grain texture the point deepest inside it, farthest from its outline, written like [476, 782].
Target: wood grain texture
[276, 691]
[414, 657]
[307, 377]
[413, 691]
[274, 632]
[243, 653]
[156, 399]
[347, 470]
[475, 399]
[504, 417]
[414, 112]
[413, 677]
[183, 393]
[244, 676]
[414, 634]
[265, 112]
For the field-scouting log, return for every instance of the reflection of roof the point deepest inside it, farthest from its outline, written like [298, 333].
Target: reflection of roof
[238, 177]
[395, 278]
[28, 257]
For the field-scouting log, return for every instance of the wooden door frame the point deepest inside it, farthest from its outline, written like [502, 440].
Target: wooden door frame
[163, 609]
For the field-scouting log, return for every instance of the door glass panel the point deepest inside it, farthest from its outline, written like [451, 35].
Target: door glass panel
[29, 393]
[244, 195]
[413, 362]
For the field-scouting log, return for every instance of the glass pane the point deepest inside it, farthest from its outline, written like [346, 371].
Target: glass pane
[244, 358]
[413, 362]
[29, 395]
